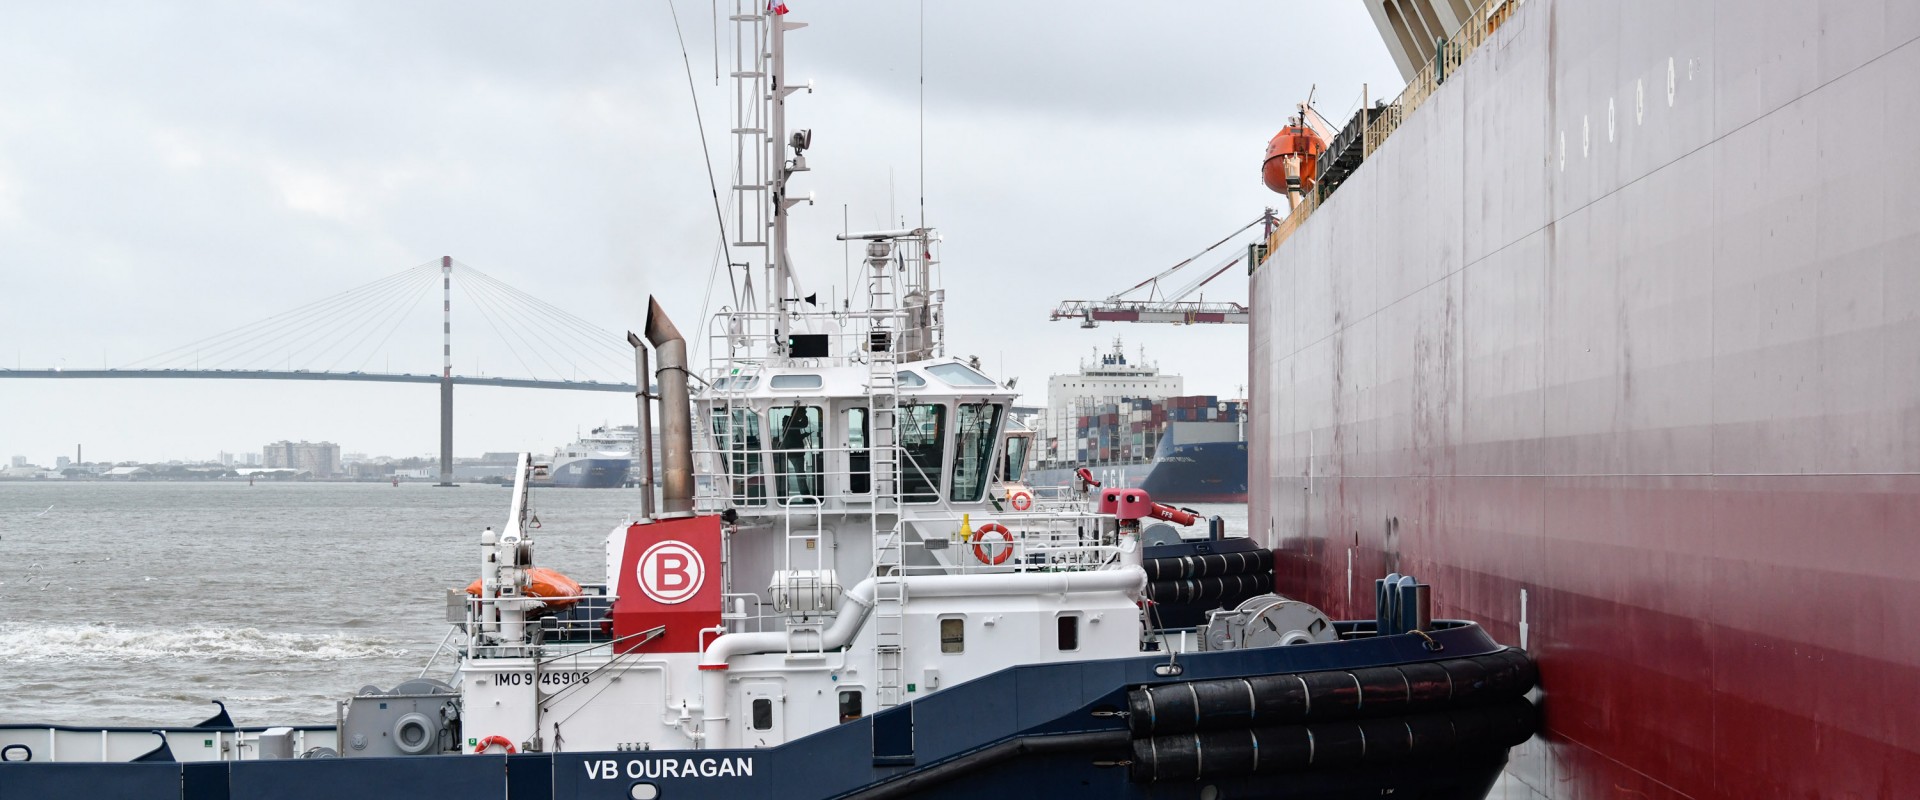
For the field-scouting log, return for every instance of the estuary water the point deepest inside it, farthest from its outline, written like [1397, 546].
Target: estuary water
[139, 603]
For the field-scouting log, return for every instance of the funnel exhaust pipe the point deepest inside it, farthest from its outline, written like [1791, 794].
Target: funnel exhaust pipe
[643, 445]
[676, 414]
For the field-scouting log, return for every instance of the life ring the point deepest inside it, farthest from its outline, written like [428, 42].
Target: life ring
[493, 740]
[980, 550]
[1021, 499]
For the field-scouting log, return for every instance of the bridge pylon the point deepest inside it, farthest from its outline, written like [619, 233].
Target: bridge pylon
[446, 371]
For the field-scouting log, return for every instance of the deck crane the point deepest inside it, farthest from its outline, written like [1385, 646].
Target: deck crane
[1158, 304]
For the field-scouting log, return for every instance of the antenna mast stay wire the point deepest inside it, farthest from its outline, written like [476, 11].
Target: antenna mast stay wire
[712, 185]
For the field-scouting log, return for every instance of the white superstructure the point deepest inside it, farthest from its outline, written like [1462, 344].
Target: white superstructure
[841, 541]
[1108, 379]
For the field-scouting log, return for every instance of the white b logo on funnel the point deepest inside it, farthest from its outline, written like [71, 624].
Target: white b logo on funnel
[670, 572]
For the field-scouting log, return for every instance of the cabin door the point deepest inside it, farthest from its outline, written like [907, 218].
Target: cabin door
[762, 714]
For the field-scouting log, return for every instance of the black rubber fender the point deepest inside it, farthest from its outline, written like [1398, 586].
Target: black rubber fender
[1328, 745]
[1289, 698]
[1206, 565]
[1218, 590]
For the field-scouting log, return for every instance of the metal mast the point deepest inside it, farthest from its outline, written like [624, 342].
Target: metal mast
[782, 289]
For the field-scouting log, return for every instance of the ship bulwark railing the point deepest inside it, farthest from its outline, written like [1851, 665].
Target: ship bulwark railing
[79, 743]
[739, 342]
[1040, 540]
[1449, 53]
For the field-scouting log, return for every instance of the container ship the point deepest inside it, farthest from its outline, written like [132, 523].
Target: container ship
[1610, 324]
[1131, 427]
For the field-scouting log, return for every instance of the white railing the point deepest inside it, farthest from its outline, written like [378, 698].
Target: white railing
[751, 479]
[564, 632]
[743, 339]
[1041, 541]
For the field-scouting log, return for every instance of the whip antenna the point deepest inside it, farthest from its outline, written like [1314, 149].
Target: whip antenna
[712, 186]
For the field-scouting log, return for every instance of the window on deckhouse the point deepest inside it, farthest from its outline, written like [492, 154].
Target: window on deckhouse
[923, 430]
[1013, 466]
[859, 461]
[797, 436]
[979, 427]
[736, 434]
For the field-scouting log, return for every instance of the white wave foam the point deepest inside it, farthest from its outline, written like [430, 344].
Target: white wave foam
[31, 643]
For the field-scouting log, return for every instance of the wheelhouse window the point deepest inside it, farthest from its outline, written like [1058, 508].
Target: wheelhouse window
[979, 428]
[859, 460]
[923, 430]
[959, 375]
[797, 458]
[736, 434]
[1013, 465]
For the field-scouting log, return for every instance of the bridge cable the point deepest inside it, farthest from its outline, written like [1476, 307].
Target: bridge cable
[293, 335]
[274, 332]
[488, 302]
[254, 329]
[391, 322]
[596, 334]
[558, 328]
[488, 318]
[340, 331]
[583, 340]
[480, 296]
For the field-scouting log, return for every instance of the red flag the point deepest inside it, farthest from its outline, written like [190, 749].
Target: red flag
[776, 7]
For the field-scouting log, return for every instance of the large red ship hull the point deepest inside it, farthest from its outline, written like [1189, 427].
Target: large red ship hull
[1631, 375]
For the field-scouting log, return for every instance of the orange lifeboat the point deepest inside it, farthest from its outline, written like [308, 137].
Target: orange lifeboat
[544, 583]
[1293, 159]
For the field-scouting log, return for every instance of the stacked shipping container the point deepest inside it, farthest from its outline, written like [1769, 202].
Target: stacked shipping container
[1129, 429]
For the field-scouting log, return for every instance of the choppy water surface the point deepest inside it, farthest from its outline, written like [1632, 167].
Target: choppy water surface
[138, 603]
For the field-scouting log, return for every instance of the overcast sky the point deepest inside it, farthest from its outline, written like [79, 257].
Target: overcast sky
[169, 171]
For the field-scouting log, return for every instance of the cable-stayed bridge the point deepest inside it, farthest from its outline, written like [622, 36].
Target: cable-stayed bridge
[338, 338]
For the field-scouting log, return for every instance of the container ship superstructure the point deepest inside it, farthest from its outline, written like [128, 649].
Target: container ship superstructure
[1612, 319]
[1131, 426]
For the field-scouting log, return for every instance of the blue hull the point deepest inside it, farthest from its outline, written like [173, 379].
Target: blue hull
[591, 473]
[1211, 472]
[1031, 731]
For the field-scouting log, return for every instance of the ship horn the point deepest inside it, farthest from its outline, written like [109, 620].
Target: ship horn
[676, 423]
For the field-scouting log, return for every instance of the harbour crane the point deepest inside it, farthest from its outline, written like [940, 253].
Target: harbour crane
[1151, 300]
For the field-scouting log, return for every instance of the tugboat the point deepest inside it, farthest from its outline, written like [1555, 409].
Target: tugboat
[835, 599]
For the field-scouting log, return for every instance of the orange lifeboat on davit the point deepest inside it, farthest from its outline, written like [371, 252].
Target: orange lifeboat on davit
[1293, 159]
[551, 587]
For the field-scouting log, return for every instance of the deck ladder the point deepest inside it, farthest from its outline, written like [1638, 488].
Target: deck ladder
[883, 446]
[751, 73]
